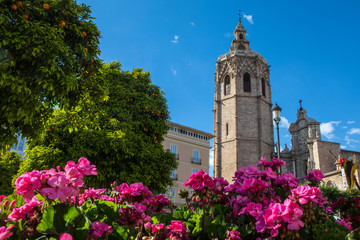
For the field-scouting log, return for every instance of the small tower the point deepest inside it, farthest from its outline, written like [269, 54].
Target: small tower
[242, 116]
[304, 132]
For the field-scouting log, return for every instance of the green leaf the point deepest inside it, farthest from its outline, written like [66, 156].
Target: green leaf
[46, 224]
[121, 231]
[107, 209]
[72, 214]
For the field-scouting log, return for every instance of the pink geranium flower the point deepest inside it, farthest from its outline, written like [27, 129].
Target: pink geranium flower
[292, 215]
[199, 180]
[314, 175]
[65, 236]
[25, 211]
[5, 232]
[156, 229]
[233, 235]
[177, 230]
[27, 183]
[254, 209]
[99, 230]
[287, 179]
[345, 224]
[58, 188]
[85, 168]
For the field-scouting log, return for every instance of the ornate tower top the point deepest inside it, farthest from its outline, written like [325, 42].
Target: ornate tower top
[239, 42]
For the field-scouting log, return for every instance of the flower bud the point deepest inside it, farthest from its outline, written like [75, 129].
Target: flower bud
[147, 226]
[12, 205]
[5, 204]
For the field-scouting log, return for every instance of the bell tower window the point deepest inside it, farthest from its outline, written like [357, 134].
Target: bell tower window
[241, 36]
[227, 85]
[263, 87]
[247, 83]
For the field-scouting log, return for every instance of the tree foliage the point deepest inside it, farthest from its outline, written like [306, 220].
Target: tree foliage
[121, 136]
[9, 166]
[48, 52]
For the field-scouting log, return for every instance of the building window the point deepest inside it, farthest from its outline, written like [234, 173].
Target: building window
[170, 194]
[196, 157]
[263, 88]
[174, 150]
[173, 174]
[247, 83]
[227, 85]
[241, 36]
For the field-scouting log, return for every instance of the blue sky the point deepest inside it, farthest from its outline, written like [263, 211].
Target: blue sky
[312, 47]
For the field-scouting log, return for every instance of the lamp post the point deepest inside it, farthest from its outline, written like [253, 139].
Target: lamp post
[276, 110]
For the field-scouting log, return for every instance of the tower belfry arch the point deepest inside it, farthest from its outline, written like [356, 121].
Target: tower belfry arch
[243, 125]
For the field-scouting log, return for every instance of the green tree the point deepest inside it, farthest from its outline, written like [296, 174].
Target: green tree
[121, 136]
[9, 166]
[48, 52]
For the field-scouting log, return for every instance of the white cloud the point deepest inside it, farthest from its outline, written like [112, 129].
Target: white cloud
[173, 71]
[328, 128]
[192, 24]
[350, 140]
[354, 131]
[350, 122]
[344, 127]
[175, 40]
[284, 123]
[227, 35]
[249, 18]
[342, 147]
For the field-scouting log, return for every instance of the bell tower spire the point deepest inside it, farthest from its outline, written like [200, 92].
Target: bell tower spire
[240, 42]
[243, 125]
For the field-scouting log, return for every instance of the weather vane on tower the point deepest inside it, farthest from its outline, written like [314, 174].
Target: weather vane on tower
[239, 15]
[301, 108]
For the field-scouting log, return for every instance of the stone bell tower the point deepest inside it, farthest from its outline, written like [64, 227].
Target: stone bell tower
[242, 116]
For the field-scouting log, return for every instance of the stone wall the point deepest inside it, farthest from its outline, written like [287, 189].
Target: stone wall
[325, 155]
[335, 179]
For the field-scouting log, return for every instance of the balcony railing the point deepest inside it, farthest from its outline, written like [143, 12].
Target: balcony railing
[174, 176]
[196, 160]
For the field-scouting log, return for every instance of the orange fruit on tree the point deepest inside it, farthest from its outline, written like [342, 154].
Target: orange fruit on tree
[26, 17]
[84, 33]
[86, 50]
[62, 24]
[13, 7]
[20, 3]
[46, 6]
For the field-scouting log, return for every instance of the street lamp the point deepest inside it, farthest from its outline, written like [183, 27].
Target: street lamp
[276, 110]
